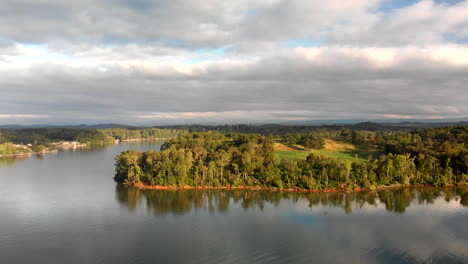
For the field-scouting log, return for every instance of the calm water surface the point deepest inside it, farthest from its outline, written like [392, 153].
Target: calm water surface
[65, 208]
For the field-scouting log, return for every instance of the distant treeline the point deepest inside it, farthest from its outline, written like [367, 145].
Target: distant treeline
[281, 129]
[434, 156]
[147, 133]
[46, 135]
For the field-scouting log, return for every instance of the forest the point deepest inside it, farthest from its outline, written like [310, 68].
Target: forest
[436, 156]
[10, 149]
[281, 129]
[145, 134]
[30, 140]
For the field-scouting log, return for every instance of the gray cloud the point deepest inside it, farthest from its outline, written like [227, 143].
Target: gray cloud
[180, 61]
[278, 83]
[192, 23]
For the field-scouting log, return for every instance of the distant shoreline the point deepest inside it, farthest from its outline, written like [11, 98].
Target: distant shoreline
[67, 146]
[28, 154]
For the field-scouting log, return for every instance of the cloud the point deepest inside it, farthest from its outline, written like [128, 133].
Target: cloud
[425, 22]
[191, 24]
[183, 61]
[398, 116]
[316, 83]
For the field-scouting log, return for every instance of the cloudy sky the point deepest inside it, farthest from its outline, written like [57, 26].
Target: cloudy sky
[179, 61]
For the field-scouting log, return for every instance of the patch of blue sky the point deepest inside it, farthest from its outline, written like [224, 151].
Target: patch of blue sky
[448, 2]
[207, 54]
[211, 51]
[140, 5]
[303, 42]
[389, 5]
[251, 12]
[5, 40]
[196, 60]
[453, 38]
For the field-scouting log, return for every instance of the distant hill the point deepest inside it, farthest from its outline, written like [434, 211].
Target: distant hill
[254, 128]
[403, 122]
[98, 126]
[82, 126]
[425, 125]
[12, 126]
[292, 128]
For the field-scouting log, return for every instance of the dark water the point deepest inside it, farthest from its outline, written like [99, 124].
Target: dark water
[65, 208]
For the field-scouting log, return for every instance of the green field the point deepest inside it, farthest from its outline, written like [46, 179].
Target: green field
[292, 154]
[333, 149]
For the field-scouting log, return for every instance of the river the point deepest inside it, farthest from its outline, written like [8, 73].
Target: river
[65, 208]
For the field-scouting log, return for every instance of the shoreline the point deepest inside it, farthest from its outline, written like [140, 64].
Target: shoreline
[28, 154]
[143, 186]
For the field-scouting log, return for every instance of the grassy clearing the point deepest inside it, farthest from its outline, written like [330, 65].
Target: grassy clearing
[333, 148]
[292, 154]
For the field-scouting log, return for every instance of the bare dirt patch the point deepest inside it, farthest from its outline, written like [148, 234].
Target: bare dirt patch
[282, 147]
[333, 145]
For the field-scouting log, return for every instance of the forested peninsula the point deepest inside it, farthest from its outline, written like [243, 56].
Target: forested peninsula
[437, 156]
[28, 141]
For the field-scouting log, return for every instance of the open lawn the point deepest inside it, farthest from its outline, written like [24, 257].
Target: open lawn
[292, 154]
[333, 148]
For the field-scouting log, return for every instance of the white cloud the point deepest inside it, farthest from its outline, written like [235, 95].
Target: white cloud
[24, 116]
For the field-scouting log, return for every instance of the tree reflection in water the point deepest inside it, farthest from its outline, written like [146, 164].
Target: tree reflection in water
[162, 202]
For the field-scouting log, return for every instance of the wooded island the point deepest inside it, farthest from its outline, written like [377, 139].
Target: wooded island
[437, 156]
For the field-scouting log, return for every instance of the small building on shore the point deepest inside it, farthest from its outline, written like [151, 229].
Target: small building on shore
[68, 144]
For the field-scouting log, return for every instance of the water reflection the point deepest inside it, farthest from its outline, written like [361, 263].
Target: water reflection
[10, 161]
[183, 201]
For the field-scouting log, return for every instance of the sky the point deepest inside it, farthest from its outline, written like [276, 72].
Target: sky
[190, 61]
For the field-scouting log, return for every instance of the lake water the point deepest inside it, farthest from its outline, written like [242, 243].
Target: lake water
[65, 208]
